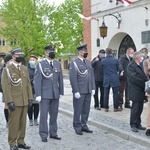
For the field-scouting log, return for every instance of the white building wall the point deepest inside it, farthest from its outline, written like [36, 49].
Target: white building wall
[133, 23]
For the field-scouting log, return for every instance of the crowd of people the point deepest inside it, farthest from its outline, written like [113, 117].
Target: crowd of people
[38, 87]
[128, 75]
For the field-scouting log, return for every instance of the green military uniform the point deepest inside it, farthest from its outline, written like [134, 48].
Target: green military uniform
[17, 89]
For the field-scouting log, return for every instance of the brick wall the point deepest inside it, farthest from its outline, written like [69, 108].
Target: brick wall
[87, 26]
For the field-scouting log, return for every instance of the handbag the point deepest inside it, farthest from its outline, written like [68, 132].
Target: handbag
[147, 86]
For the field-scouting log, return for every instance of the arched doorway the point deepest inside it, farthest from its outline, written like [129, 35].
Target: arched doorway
[125, 44]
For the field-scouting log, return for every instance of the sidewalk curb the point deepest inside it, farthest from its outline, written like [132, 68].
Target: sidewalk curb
[118, 132]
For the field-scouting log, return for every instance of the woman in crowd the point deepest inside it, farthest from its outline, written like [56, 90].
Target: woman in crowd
[34, 110]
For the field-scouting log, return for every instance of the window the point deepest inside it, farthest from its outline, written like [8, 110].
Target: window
[13, 42]
[2, 42]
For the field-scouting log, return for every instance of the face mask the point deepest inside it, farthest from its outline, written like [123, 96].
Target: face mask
[9, 63]
[32, 64]
[52, 55]
[143, 55]
[102, 55]
[131, 55]
[19, 59]
[85, 55]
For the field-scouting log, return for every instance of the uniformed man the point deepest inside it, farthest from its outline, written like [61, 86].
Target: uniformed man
[83, 86]
[48, 84]
[18, 95]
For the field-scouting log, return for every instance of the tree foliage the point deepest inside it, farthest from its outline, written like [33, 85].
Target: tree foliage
[66, 28]
[34, 23]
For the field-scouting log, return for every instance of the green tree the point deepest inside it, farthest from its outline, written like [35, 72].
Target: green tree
[34, 24]
[65, 28]
[25, 22]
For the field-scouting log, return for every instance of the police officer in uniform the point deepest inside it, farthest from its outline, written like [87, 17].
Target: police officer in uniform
[18, 95]
[83, 86]
[48, 85]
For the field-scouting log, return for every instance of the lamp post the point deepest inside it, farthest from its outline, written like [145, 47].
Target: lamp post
[103, 28]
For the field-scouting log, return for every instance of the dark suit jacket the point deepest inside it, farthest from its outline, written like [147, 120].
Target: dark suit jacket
[136, 82]
[110, 67]
[123, 63]
[97, 68]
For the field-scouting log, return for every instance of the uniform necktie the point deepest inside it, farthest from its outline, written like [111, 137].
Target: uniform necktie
[51, 64]
[18, 67]
[84, 60]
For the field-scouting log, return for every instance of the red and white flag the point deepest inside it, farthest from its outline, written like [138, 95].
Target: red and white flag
[86, 18]
[126, 2]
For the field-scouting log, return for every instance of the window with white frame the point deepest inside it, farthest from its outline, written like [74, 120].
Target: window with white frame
[2, 42]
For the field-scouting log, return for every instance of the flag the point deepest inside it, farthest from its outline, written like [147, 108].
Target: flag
[126, 2]
[86, 18]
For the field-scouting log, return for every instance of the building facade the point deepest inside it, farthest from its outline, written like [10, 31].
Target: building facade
[134, 30]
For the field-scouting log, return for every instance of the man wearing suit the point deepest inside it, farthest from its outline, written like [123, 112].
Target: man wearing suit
[123, 63]
[83, 86]
[48, 85]
[136, 81]
[111, 79]
[98, 76]
[18, 95]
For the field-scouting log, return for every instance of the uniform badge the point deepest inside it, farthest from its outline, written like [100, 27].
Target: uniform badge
[24, 74]
[56, 70]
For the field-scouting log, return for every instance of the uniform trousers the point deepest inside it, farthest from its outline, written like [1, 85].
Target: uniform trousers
[17, 125]
[48, 106]
[99, 84]
[136, 111]
[81, 111]
[123, 87]
[115, 97]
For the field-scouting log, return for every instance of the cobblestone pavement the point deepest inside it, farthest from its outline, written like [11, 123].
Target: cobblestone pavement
[100, 139]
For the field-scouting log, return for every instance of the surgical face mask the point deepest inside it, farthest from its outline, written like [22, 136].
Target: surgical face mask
[9, 63]
[131, 55]
[32, 64]
[19, 59]
[52, 55]
[85, 55]
[103, 55]
[143, 55]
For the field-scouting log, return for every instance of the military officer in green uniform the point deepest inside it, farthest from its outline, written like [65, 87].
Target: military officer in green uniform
[18, 96]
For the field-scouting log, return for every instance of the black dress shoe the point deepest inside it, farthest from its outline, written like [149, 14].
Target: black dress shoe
[44, 139]
[134, 129]
[79, 133]
[14, 148]
[55, 137]
[141, 128]
[148, 132]
[87, 130]
[127, 106]
[24, 146]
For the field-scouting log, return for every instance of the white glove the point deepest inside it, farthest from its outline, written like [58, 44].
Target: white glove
[77, 95]
[60, 96]
[38, 98]
[93, 92]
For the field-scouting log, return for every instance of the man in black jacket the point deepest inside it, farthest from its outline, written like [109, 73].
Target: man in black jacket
[123, 63]
[98, 76]
[136, 81]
